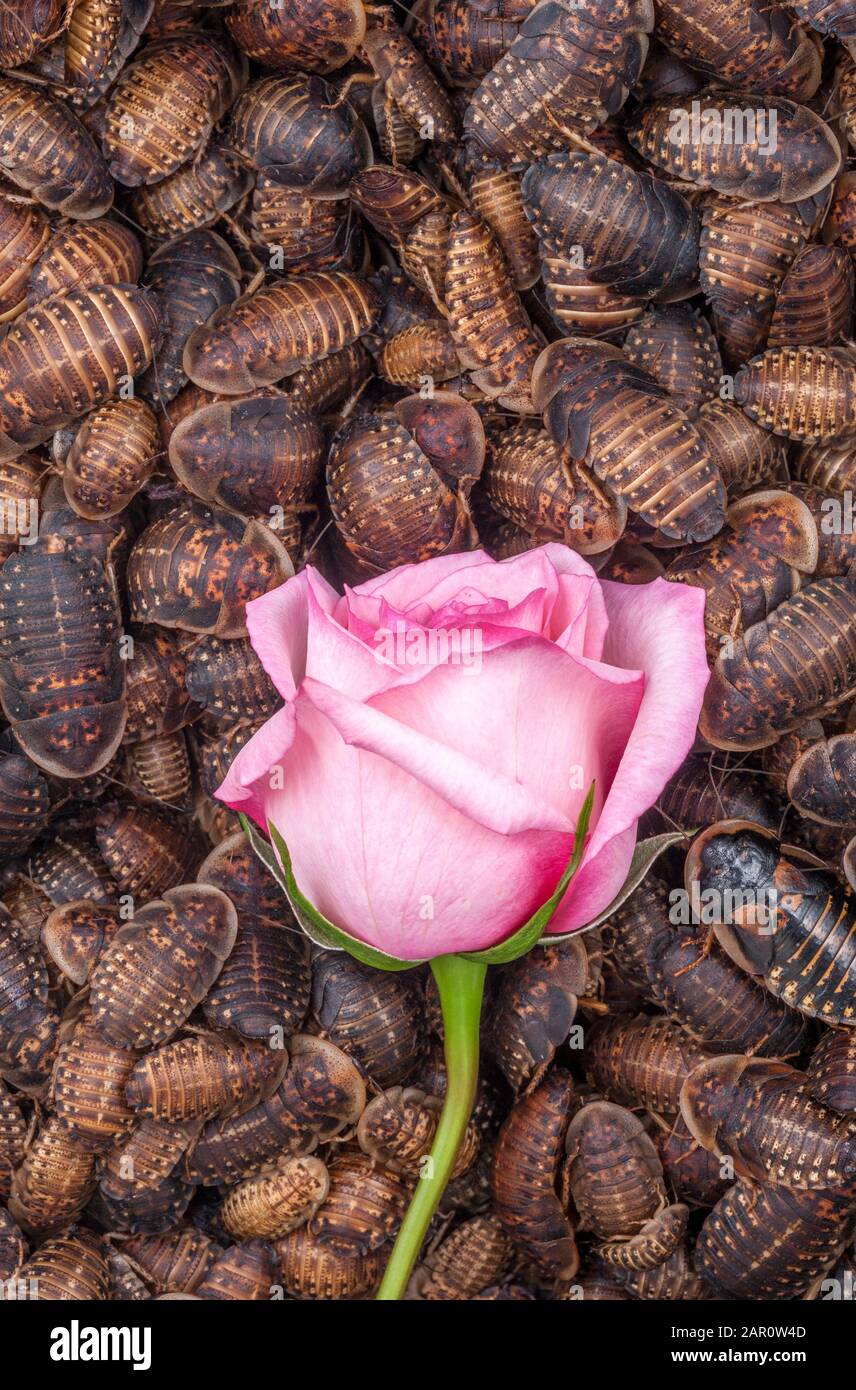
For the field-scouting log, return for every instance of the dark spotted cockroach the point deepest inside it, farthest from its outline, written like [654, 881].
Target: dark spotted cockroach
[794, 665]
[259, 456]
[166, 103]
[70, 867]
[678, 349]
[263, 989]
[777, 759]
[76, 935]
[146, 849]
[529, 480]
[245, 1272]
[88, 1084]
[473, 1257]
[46, 151]
[215, 755]
[144, 1158]
[488, 322]
[321, 1095]
[22, 33]
[93, 31]
[419, 355]
[758, 560]
[693, 1174]
[24, 234]
[814, 305]
[606, 410]
[808, 394]
[13, 1248]
[71, 1266]
[702, 791]
[316, 37]
[581, 306]
[423, 253]
[21, 480]
[24, 804]
[394, 201]
[757, 1112]
[302, 233]
[91, 253]
[836, 542]
[535, 1005]
[744, 453]
[271, 334]
[831, 467]
[62, 679]
[628, 231]
[202, 1076]
[756, 50]
[771, 1243]
[331, 381]
[793, 156]
[126, 1286]
[69, 354]
[107, 540]
[114, 452]
[171, 1262]
[194, 196]
[196, 568]
[276, 1201]
[674, 1280]
[314, 1270]
[13, 1137]
[497, 198]
[399, 141]
[364, 1205]
[149, 1211]
[227, 679]
[822, 781]
[397, 1129]
[657, 1241]
[54, 1182]
[567, 70]
[627, 931]
[160, 768]
[159, 966]
[524, 1176]
[831, 1071]
[464, 41]
[640, 1061]
[378, 1019]
[159, 701]
[406, 77]
[190, 278]
[294, 131]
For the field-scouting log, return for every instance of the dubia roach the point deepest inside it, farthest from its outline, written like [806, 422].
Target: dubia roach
[318, 36]
[45, 150]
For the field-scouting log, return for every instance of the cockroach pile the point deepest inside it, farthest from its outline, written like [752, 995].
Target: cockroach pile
[290, 281]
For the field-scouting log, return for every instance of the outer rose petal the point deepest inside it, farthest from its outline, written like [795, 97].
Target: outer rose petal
[278, 624]
[408, 583]
[247, 783]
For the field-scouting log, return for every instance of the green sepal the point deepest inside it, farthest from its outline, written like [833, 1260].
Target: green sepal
[529, 935]
[644, 856]
[315, 925]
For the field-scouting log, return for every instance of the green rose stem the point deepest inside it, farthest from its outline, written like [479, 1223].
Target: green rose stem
[461, 986]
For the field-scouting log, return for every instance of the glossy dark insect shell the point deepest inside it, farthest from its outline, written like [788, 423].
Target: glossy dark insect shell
[276, 1201]
[166, 103]
[314, 1270]
[744, 453]
[159, 701]
[627, 931]
[325, 384]
[640, 1061]
[763, 1243]
[419, 355]
[831, 467]
[244, 1273]
[808, 394]
[62, 680]
[24, 234]
[204, 1075]
[364, 1206]
[13, 1248]
[76, 935]
[463, 41]
[21, 480]
[828, 17]
[173, 1261]
[376, 1018]
[68, 1267]
[156, 1209]
[54, 1182]
[580, 306]
[702, 791]
[533, 1008]
[469, 1260]
[772, 679]
[637, 235]
[114, 452]
[745, 251]
[161, 965]
[92, 253]
[567, 70]
[407, 78]
[398, 1126]
[394, 201]
[831, 1071]
[159, 768]
[525, 1172]
[790, 161]
[321, 1095]
[197, 567]
[679, 350]
[301, 233]
[146, 849]
[13, 1137]
[822, 781]
[399, 142]
[69, 354]
[271, 334]
[190, 278]
[107, 540]
[312, 35]
[24, 804]
[46, 151]
[293, 130]
[215, 755]
[194, 196]
[252, 455]
[814, 305]
[24, 988]
[227, 679]
[613, 1172]
[693, 1175]
[836, 543]
[144, 1158]
[674, 1280]
[23, 32]
[88, 1087]
[70, 867]
[93, 31]
[756, 50]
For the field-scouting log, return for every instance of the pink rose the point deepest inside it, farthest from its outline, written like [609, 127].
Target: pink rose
[442, 726]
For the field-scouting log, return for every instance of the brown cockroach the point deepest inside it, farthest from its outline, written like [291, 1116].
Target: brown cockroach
[126, 1286]
[529, 480]
[194, 196]
[394, 201]
[24, 804]
[757, 1112]
[276, 1201]
[642, 446]
[160, 768]
[771, 1243]
[335, 379]
[463, 41]
[840, 224]
[472, 1258]
[679, 350]
[161, 964]
[293, 130]
[836, 538]
[70, 867]
[497, 198]
[166, 103]
[814, 305]
[144, 1212]
[423, 252]
[822, 780]
[831, 1071]
[21, 480]
[273, 333]
[807, 394]
[364, 1206]
[146, 849]
[159, 701]
[406, 77]
[145, 1157]
[640, 1061]
[397, 1129]
[256, 456]
[744, 453]
[831, 467]
[377, 1019]
[693, 1174]
[92, 34]
[714, 151]
[318, 36]
[71, 1266]
[581, 306]
[756, 50]
[769, 544]
[197, 567]
[88, 1084]
[777, 759]
[524, 1176]
[171, 1262]
[628, 231]
[26, 29]
[24, 234]
[627, 931]
[301, 233]
[54, 1182]
[190, 278]
[702, 791]
[314, 1270]
[215, 754]
[13, 1136]
[651, 1246]
[45, 150]
[535, 1005]
[566, 71]
[13, 1248]
[419, 355]
[244, 1272]
[833, 17]
[103, 252]
[770, 679]
[227, 679]
[202, 1076]
[674, 1280]
[69, 354]
[399, 141]
[114, 452]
